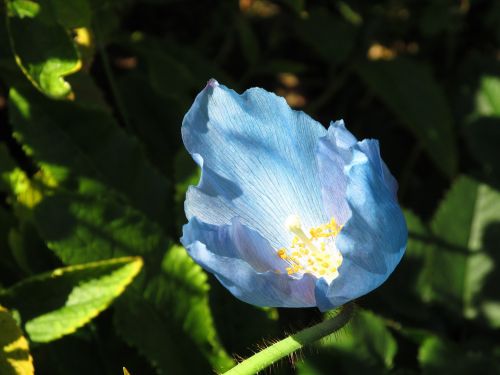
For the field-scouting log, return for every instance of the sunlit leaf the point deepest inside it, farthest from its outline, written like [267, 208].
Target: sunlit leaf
[15, 357]
[82, 228]
[488, 96]
[23, 8]
[57, 303]
[43, 49]
[84, 148]
[170, 321]
[460, 266]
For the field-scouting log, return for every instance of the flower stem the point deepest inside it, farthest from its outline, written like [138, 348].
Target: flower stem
[273, 353]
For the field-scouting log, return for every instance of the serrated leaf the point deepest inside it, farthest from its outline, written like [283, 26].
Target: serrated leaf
[15, 357]
[170, 321]
[409, 90]
[83, 228]
[461, 262]
[43, 49]
[83, 149]
[57, 303]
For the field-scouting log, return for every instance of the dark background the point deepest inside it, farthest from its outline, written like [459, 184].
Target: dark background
[92, 167]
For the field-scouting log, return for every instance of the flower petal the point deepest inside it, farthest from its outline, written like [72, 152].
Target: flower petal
[372, 241]
[371, 148]
[333, 153]
[340, 136]
[258, 161]
[246, 265]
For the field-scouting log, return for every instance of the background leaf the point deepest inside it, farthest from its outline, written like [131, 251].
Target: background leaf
[15, 357]
[175, 313]
[58, 303]
[43, 49]
[461, 263]
[93, 168]
[365, 344]
[409, 90]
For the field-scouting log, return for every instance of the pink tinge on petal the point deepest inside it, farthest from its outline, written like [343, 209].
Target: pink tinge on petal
[212, 83]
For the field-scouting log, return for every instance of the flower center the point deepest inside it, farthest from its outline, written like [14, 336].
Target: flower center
[315, 254]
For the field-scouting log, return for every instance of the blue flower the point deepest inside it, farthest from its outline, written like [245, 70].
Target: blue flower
[287, 213]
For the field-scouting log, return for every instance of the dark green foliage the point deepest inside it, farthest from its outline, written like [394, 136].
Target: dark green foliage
[92, 168]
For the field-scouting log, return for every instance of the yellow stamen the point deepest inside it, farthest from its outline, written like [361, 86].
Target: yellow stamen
[316, 254]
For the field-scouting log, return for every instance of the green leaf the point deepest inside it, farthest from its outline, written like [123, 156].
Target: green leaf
[461, 262]
[15, 357]
[83, 149]
[23, 8]
[57, 303]
[365, 345]
[488, 96]
[83, 228]
[409, 90]
[368, 336]
[43, 49]
[439, 356]
[169, 320]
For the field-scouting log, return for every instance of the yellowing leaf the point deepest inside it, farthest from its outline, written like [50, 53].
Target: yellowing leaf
[15, 358]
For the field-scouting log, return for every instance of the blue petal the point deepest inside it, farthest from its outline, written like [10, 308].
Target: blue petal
[246, 265]
[333, 154]
[258, 161]
[371, 148]
[372, 241]
[340, 136]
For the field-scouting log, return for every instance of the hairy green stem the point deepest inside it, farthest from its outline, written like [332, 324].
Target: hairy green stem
[275, 352]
